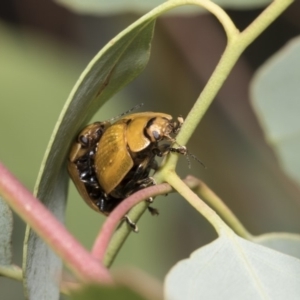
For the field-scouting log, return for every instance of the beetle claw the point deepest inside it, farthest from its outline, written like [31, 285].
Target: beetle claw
[153, 211]
[146, 182]
[153, 182]
[131, 224]
[150, 200]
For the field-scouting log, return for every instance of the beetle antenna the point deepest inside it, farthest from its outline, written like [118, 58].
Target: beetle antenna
[182, 150]
[126, 112]
[188, 160]
[188, 155]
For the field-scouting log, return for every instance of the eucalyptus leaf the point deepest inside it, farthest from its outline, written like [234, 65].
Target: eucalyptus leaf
[103, 7]
[234, 268]
[287, 243]
[6, 228]
[118, 63]
[275, 94]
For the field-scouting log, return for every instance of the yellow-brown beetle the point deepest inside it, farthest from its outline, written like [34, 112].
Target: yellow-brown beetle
[108, 162]
[127, 150]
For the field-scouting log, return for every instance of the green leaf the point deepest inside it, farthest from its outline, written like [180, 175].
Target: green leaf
[28, 62]
[103, 7]
[275, 98]
[103, 292]
[118, 63]
[287, 243]
[233, 268]
[41, 267]
[6, 225]
[7, 269]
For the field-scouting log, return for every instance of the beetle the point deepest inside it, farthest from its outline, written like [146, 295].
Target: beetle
[126, 151]
[110, 161]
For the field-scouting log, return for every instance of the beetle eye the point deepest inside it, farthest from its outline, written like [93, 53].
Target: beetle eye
[98, 134]
[83, 140]
[156, 134]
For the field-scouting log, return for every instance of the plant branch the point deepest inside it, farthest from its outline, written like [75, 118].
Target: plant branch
[11, 271]
[105, 251]
[263, 21]
[109, 242]
[181, 187]
[219, 206]
[236, 44]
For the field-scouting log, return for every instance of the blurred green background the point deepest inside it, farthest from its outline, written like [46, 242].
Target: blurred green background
[43, 49]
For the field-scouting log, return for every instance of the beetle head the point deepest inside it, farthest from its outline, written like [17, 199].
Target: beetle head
[91, 134]
[159, 128]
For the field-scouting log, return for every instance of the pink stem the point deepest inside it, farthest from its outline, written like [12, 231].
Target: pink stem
[108, 228]
[33, 212]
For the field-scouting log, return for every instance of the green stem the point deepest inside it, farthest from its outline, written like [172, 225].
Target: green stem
[11, 271]
[122, 232]
[213, 8]
[237, 43]
[269, 15]
[173, 179]
[219, 206]
[100, 250]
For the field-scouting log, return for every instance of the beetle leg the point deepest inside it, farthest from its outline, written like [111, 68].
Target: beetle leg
[101, 204]
[153, 165]
[135, 180]
[143, 168]
[150, 200]
[131, 224]
[132, 186]
[153, 211]
[83, 175]
[164, 149]
[161, 150]
[85, 167]
[143, 183]
[177, 125]
[181, 150]
[90, 181]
